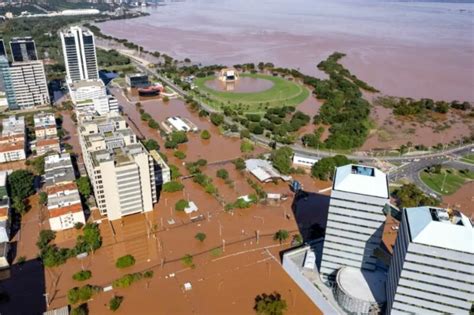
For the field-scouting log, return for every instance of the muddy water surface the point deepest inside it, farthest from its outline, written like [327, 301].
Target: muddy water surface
[416, 49]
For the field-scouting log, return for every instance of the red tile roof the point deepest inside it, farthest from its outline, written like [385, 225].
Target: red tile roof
[54, 213]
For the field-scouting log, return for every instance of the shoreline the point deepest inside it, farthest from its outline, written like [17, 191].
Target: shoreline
[421, 70]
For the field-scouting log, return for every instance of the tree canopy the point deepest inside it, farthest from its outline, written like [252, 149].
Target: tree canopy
[21, 184]
[324, 168]
[270, 304]
[282, 159]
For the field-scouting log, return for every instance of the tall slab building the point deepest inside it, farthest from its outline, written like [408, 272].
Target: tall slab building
[23, 49]
[355, 220]
[79, 54]
[432, 268]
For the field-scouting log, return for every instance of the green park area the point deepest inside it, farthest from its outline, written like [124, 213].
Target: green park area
[468, 158]
[282, 93]
[446, 181]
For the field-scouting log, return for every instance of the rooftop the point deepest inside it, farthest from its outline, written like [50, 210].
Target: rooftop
[362, 285]
[13, 125]
[3, 178]
[44, 119]
[87, 83]
[438, 227]
[363, 180]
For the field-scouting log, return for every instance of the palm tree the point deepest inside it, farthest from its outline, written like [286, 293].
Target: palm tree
[281, 236]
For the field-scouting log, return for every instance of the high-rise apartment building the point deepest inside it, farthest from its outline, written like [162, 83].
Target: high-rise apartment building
[355, 220]
[121, 170]
[79, 54]
[432, 269]
[3, 52]
[30, 87]
[23, 49]
[6, 84]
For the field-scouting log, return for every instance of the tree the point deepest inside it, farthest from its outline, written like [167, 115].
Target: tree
[179, 154]
[82, 275]
[19, 206]
[125, 261]
[409, 195]
[200, 236]
[45, 237]
[82, 309]
[205, 135]
[217, 119]
[181, 205]
[151, 144]
[82, 294]
[271, 304]
[187, 260]
[43, 198]
[281, 236]
[115, 302]
[282, 159]
[172, 186]
[84, 186]
[175, 173]
[222, 173]
[21, 183]
[38, 165]
[239, 164]
[166, 99]
[246, 146]
[178, 137]
[324, 168]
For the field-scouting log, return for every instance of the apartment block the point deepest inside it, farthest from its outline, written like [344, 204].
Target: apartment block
[12, 140]
[121, 170]
[355, 220]
[28, 80]
[46, 134]
[45, 125]
[79, 54]
[100, 105]
[23, 49]
[84, 91]
[64, 201]
[432, 269]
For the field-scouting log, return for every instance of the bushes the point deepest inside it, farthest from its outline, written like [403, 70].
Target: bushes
[222, 173]
[282, 159]
[125, 261]
[409, 195]
[115, 302]
[181, 205]
[246, 146]
[166, 99]
[239, 164]
[82, 275]
[84, 186]
[178, 137]
[187, 260]
[217, 119]
[180, 155]
[172, 186]
[324, 168]
[82, 309]
[151, 144]
[127, 280]
[153, 124]
[148, 274]
[205, 135]
[82, 294]
[175, 173]
[200, 236]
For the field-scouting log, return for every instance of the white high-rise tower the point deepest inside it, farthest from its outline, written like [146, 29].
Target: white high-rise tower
[79, 54]
[355, 220]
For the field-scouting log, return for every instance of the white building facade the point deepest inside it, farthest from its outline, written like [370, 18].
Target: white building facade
[29, 83]
[355, 220]
[120, 169]
[85, 91]
[79, 54]
[13, 140]
[432, 269]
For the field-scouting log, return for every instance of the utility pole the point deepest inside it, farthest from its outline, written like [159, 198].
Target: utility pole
[444, 181]
[223, 246]
[46, 298]
[257, 234]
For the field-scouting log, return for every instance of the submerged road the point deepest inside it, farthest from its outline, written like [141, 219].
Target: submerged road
[424, 158]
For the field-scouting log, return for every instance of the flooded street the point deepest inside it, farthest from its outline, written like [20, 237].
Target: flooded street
[415, 49]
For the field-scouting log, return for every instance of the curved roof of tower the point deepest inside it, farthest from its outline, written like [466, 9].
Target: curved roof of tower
[360, 179]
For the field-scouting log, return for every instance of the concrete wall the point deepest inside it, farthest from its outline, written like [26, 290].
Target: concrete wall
[307, 286]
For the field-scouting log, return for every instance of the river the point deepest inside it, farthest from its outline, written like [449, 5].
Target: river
[415, 48]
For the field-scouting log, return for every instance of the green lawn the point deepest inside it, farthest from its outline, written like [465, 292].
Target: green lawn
[468, 158]
[282, 93]
[452, 179]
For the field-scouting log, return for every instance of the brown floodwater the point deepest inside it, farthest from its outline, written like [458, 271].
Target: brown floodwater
[242, 85]
[416, 49]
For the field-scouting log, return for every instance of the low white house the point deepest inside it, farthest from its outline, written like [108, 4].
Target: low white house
[304, 160]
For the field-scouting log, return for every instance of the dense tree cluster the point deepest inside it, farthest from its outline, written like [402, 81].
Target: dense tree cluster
[409, 195]
[410, 107]
[52, 255]
[282, 159]
[324, 168]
